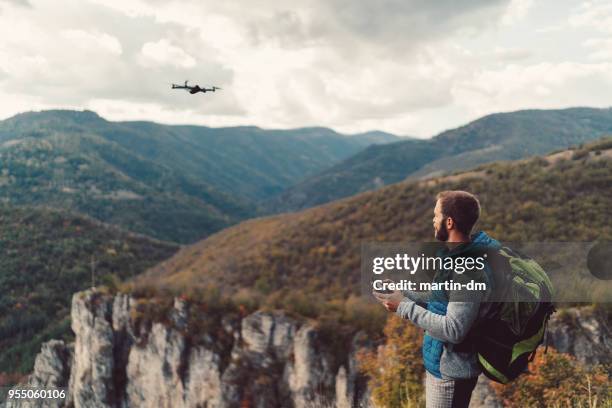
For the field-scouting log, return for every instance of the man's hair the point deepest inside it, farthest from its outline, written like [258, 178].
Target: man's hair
[462, 207]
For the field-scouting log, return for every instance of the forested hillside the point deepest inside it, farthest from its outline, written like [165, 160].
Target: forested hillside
[500, 136]
[198, 180]
[314, 255]
[47, 255]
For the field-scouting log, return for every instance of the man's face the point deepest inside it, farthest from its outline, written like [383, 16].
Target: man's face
[439, 224]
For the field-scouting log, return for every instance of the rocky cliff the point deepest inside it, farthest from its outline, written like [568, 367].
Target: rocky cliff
[264, 360]
[267, 360]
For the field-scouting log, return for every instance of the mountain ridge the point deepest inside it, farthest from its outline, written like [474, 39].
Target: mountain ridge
[499, 136]
[201, 179]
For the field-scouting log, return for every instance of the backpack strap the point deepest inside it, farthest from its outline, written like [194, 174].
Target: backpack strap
[496, 268]
[551, 310]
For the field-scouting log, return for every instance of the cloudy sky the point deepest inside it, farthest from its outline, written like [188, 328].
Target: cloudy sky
[410, 67]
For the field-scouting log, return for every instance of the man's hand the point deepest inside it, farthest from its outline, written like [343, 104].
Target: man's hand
[389, 300]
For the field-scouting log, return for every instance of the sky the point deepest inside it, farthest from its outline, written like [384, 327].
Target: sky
[408, 67]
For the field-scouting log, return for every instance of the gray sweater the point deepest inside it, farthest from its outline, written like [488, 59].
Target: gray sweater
[451, 328]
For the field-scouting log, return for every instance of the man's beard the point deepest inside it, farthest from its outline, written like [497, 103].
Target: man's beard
[441, 233]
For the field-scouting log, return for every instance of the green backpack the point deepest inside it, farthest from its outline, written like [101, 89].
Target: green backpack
[508, 340]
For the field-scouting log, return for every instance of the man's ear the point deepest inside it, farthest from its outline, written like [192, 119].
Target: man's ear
[450, 223]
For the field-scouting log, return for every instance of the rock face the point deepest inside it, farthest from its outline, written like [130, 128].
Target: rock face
[583, 332]
[51, 371]
[263, 360]
[269, 360]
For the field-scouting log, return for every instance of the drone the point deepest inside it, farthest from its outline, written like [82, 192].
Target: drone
[194, 89]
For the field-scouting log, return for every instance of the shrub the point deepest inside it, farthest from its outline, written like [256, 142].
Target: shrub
[579, 154]
[395, 369]
[557, 380]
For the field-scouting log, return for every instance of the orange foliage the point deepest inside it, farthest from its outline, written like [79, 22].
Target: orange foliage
[557, 380]
[395, 369]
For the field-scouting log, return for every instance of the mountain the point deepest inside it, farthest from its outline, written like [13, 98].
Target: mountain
[196, 179]
[45, 256]
[303, 259]
[245, 161]
[501, 136]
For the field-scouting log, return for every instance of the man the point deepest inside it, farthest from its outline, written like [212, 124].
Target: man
[450, 318]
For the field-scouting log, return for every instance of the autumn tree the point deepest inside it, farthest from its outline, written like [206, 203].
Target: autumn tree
[395, 369]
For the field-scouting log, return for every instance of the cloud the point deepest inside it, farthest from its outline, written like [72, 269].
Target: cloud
[27, 66]
[516, 11]
[92, 40]
[162, 53]
[593, 14]
[600, 49]
[397, 22]
[512, 54]
[550, 85]
[21, 3]
[303, 23]
[551, 28]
